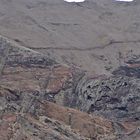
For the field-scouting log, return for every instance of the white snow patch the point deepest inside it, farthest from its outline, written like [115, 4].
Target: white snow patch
[125, 0]
[74, 0]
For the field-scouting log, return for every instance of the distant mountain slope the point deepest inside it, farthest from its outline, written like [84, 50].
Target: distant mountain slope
[96, 35]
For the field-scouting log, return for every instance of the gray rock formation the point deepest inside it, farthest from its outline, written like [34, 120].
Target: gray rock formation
[29, 81]
[62, 55]
[116, 97]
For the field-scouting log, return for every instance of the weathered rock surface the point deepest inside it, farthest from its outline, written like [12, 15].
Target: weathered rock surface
[37, 118]
[100, 42]
[114, 97]
[30, 80]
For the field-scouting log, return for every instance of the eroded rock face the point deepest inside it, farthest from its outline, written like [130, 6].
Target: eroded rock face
[32, 83]
[29, 80]
[115, 97]
[29, 117]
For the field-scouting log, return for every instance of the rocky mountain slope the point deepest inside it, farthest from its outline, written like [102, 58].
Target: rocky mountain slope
[30, 81]
[69, 71]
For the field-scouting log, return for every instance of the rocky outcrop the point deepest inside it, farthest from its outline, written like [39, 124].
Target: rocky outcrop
[114, 97]
[29, 80]
[99, 41]
[31, 118]
[35, 90]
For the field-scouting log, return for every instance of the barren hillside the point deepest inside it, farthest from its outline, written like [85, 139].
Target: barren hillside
[69, 71]
[97, 35]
